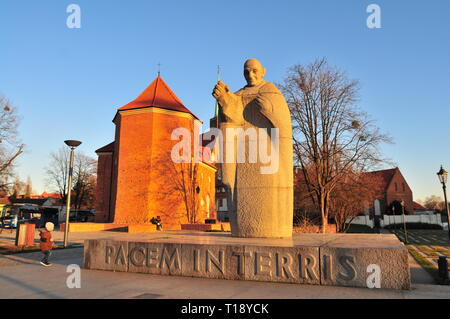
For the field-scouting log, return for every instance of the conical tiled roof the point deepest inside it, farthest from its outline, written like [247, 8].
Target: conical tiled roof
[158, 94]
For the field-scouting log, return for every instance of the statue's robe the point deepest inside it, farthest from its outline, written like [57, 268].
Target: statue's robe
[260, 205]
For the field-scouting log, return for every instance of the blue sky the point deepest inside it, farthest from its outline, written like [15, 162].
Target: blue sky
[68, 83]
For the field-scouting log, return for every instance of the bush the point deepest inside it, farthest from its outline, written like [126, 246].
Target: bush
[301, 217]
[414, 226]
[304, 225]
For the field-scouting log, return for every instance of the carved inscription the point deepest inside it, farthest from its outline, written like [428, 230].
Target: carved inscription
[262, 265]
[120, 257]
[196, 260]
[307, 265]
[216, 261]
[115, 255]
[108, 254]
[137, 256]
[241, 259]
[152, 257]
[169, 259]
[348, 263]
[327, 267]
[342, 268]
[284, 264]
[140, 256]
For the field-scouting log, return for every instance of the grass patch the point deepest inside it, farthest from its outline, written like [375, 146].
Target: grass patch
[428, 251]
[427, 265]
[424, 263]
[440, 248]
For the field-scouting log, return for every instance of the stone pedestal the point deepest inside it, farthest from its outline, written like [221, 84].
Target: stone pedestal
[355, 260]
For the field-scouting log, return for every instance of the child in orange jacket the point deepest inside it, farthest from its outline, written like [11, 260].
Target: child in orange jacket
[46, 243]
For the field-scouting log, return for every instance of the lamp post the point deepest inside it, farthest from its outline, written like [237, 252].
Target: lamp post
[394, 227]
[72, 144]
[402, 202]
[390, 223]
[442, 175]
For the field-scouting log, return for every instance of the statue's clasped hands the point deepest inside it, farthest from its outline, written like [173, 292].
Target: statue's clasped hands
[222, 92]
[230, 103]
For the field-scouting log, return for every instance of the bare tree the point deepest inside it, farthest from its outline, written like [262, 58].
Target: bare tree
[183, 185]
[57, 172]
[83, 176]
[28, 188]
[305, 204]
[18, 188]
[10, 146]
[350, 197]
[331, 134]
[85, 169]
[186, 175]
[435, 203]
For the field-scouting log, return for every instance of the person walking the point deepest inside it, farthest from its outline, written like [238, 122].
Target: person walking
[157, 221]
[46, 242]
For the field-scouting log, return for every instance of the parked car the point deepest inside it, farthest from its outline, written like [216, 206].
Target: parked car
[49, 214]
[81, 216]
[13, 215]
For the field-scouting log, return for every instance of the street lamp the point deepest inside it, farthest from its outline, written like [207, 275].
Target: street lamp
[402, 202]
[442, 175]
[72, 144]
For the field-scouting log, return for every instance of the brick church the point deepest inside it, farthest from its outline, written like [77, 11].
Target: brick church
[393, 189]
[136, 177]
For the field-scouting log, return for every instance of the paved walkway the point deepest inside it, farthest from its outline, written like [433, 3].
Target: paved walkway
[423, 236]
[429, 244]
[21, 276]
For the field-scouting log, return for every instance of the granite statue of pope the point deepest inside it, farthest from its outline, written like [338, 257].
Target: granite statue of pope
[257, 159]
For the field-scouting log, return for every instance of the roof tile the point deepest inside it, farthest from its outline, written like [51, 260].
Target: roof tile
[158, 94]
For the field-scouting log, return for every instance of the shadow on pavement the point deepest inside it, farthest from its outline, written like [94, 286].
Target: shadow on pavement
[29, 287]
[57, 257]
